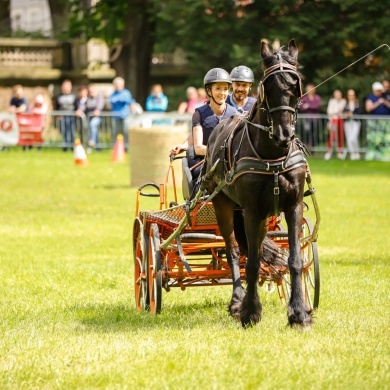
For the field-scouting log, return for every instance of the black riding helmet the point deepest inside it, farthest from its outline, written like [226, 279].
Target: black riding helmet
[242, 73]
[215, 75]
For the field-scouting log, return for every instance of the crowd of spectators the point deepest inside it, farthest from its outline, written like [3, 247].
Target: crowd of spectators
[89, 103]
[343, 124]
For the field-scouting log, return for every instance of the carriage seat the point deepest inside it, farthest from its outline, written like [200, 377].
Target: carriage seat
[189, 175]
[187, 184]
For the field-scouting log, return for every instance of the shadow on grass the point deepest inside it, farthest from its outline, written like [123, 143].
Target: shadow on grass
[111, 186]
[106, 318]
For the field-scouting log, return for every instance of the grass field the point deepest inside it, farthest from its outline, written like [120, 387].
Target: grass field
[67, 314]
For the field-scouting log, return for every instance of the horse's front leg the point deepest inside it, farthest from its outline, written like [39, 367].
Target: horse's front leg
[298, 312]
[224, 211]
[251, 310]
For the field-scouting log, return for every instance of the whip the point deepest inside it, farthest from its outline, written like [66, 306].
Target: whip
[353, 63]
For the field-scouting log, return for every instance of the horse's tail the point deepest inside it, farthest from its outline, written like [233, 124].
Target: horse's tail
[271, 253]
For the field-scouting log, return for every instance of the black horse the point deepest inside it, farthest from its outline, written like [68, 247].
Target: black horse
[257, 163]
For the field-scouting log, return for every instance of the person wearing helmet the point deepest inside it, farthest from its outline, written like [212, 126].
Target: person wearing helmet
[206, 117]
[242, 80]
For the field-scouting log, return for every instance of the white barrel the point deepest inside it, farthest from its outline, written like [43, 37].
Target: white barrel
[149, 153]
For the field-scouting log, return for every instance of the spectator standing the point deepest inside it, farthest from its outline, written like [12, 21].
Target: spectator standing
[352, 125]
[81, 99]
[377, 129]
[202, 97]
[18, 103]
[242, 80]
[121, 102]
[156, 101]
[94, 106]
[39, 107]
[188, 106]
[386, 90]
[376, 104]
[66, 101]
[335, 125]
[80, 103]
[310, 104]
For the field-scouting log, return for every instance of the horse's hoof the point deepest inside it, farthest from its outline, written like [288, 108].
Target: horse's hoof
[234, 310]
[251, 320]
[299, 318]
[301, 327]
[236, 303]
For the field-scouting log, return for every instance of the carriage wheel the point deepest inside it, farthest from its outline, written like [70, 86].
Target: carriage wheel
[141, 287]
[154, 270]
[310, 274]
[284, 289]
[311, 268]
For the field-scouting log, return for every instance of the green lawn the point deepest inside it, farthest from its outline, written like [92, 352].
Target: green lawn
[67, 313]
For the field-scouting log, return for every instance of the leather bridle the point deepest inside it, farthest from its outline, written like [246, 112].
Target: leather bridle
[281, 67]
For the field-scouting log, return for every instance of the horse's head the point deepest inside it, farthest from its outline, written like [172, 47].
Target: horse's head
[280, 91]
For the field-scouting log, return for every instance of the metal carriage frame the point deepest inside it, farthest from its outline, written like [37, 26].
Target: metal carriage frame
[181, 246]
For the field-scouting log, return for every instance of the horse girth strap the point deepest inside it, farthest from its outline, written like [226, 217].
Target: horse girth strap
[250, 165]
[253, 165]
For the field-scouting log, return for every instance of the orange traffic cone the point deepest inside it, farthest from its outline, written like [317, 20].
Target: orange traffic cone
[80, 158]
[118, 153]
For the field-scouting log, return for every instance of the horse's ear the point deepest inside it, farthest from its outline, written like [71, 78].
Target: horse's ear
[265, 51]
[293, 49]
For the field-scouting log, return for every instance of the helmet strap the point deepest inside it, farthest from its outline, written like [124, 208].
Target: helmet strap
[210, 94]
[212, 97]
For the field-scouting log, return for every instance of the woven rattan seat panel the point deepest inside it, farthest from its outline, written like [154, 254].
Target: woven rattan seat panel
[206, 216]
[170, 217]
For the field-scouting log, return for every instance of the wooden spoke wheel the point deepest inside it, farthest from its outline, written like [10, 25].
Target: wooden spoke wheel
[154, 270]
[310, 274]
[140, 253]
[311, 267]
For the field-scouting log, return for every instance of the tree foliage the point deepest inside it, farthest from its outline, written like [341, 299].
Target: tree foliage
[331, 34]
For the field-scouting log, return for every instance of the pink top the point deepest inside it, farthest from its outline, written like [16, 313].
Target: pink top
[39, 106]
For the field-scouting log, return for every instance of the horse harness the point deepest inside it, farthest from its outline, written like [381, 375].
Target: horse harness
[256, 165]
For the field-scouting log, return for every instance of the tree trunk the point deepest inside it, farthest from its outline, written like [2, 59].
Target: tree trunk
[5, 17]
[59, 17]
[133, 61]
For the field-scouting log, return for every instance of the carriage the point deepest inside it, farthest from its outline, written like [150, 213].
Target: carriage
[180, 245]
[251, 228]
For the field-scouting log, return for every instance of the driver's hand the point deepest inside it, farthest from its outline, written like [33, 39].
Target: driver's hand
[177, 149]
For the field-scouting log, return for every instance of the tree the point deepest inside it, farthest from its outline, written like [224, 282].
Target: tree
[331, 34]
[128, 28]
[5, 18]
[59, 17]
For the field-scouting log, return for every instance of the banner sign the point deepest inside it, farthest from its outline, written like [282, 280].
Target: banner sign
[9, 129]
[378, 139]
